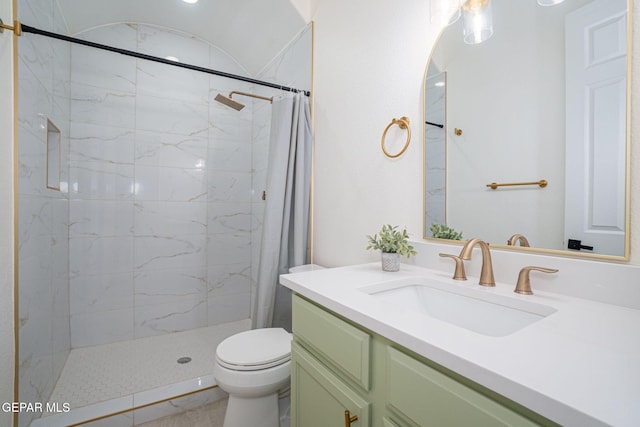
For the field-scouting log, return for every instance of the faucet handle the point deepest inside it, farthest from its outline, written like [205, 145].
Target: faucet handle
[524, 284]
[459, 273]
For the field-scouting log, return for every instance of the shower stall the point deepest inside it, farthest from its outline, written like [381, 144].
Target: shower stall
[140, 211]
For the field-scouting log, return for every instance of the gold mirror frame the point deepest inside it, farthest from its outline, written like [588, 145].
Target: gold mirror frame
[553, 252]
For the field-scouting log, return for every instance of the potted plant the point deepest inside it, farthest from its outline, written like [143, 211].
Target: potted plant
[392, 243]
[442, 231]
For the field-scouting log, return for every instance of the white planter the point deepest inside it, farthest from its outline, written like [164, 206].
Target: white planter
[390, 262]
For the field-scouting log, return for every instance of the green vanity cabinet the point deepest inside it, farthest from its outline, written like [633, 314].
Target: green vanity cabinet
[338, 366]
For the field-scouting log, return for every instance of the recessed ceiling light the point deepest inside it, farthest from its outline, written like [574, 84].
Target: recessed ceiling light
[190, 1]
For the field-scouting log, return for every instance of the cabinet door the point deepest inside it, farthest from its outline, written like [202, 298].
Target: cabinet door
[422, 397]
[342, 344]
[319, 398]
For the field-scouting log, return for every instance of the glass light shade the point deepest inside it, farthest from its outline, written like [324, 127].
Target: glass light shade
[549, 2]
[444, 12]
[477, 19]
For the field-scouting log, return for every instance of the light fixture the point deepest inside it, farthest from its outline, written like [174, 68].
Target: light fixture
[477, 16]
[444, 12]
[477, 19]
[190, 1]
[549, 2]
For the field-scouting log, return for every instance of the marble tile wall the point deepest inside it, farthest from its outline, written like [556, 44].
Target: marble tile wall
[160, 189]
[436, 151]
[43, 213]
[158, 220]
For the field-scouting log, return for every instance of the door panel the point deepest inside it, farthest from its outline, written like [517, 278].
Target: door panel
[596, 64]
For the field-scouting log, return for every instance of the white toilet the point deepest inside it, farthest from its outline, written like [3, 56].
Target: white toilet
[254, 367]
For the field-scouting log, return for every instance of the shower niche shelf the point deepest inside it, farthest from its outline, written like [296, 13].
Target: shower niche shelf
[53, 156]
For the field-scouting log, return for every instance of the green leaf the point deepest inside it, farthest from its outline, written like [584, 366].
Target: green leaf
[442, 231]
[390, 240]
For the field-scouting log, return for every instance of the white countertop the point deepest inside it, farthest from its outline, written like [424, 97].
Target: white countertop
[579, 366]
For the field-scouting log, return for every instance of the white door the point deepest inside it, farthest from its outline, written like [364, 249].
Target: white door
[596, 88]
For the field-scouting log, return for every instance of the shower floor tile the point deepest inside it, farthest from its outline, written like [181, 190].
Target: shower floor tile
[111, 371]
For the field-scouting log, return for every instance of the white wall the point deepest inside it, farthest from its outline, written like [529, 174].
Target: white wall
[370, 60]
[369, 66]
[7, 368]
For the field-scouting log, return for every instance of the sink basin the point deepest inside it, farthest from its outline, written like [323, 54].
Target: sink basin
[479, 310]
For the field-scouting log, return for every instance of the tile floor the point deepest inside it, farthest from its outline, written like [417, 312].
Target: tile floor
[211, 415]
[108, 372]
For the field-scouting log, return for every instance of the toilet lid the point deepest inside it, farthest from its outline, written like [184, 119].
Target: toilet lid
[255, 349]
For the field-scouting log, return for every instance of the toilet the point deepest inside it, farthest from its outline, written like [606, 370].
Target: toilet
[254, 368]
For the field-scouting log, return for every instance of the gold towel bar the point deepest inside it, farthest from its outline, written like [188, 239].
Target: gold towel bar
[403, 123]
[542, 183]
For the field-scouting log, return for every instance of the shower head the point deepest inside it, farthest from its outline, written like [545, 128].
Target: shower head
[226, 100]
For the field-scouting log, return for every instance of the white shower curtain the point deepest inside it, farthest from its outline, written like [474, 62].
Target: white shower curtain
[285, 232]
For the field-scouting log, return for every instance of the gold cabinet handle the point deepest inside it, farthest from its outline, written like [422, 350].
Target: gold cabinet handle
[348, 419]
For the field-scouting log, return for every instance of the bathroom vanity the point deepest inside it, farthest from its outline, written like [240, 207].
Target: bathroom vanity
[370, 350]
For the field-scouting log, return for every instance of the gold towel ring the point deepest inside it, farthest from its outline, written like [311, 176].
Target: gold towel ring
[403, 123]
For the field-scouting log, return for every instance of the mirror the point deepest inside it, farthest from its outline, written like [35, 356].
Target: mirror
[516, 109]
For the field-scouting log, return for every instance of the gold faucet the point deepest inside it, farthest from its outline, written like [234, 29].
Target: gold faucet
[524, 284]
[486, 273]
[518, 238]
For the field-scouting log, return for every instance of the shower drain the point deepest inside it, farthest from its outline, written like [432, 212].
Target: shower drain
[184, 360]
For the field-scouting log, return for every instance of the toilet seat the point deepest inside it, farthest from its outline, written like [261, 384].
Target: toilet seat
[255, 350]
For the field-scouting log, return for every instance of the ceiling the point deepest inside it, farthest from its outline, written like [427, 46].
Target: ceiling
[251, 31]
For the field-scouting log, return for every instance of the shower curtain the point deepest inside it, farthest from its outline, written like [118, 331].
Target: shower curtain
[285, 232]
